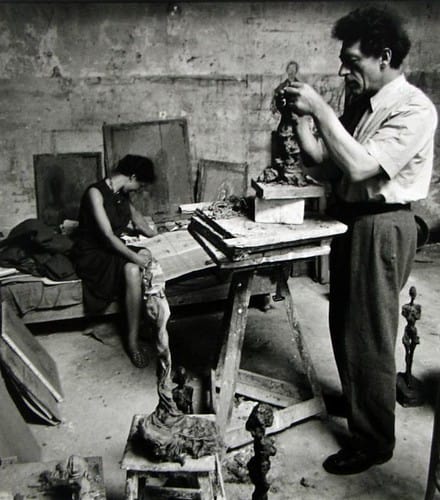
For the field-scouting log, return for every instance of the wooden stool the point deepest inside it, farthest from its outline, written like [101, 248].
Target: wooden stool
[197, 479]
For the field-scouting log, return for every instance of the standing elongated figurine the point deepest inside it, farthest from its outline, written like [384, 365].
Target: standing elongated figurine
[409, 389]
[260, 418]
[412, 312]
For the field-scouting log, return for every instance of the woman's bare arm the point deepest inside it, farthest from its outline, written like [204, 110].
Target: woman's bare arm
[98, 210]
[141, 224]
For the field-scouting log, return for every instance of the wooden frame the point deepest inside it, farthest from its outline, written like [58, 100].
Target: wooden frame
[60, 181]
[218, 180]
[166, 143]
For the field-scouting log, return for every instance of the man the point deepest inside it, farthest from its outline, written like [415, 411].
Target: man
[382, 153]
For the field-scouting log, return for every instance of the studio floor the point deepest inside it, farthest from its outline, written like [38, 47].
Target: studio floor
[103, 391]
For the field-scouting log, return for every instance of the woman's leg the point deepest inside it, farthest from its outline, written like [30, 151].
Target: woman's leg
[133, 303]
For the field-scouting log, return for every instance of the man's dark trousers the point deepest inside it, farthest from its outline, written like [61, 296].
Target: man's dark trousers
[369, 266]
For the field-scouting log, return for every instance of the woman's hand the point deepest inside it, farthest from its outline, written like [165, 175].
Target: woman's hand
[144, 224]
[143, 258]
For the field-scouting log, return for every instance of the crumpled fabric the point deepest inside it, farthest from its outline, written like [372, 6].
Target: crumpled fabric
[34, 248]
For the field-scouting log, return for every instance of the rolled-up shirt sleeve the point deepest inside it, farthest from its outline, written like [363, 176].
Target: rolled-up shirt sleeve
[401, 135]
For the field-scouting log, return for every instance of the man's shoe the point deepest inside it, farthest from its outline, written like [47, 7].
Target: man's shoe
[336, 405]
[348, 461]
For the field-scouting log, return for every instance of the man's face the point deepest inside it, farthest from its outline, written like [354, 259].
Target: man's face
[362, 74]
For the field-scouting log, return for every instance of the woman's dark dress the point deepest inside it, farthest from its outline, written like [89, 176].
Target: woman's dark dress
[99, 266]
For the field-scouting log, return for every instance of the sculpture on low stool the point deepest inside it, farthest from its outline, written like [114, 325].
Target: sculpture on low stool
[168, 435]
[409, 388]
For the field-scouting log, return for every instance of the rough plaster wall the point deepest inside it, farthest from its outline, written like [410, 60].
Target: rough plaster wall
[67, 68]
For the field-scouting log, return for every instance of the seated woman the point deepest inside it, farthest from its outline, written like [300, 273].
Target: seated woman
[107, 267]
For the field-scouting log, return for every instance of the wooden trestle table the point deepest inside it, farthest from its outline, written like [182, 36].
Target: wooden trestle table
[243, 247]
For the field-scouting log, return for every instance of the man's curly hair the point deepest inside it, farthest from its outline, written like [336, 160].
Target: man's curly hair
[376, 28]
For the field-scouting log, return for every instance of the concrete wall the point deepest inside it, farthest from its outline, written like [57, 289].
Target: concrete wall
[67, 68]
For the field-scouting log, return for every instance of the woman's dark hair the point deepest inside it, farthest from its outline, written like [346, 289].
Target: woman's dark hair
[376, 28]
[140, 166]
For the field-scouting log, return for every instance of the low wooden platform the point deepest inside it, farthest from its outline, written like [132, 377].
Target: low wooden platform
[200, 288]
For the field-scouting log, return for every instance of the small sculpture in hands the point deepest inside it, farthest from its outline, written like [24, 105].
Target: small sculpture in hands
[286, 164]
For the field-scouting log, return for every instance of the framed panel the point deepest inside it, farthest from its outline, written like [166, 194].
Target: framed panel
[60, 181]
[165, 142]
[218, 180]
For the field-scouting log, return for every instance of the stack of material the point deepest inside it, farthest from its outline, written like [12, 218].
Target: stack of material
[32, 377]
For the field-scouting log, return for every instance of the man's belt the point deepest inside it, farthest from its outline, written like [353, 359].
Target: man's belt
[345, 210]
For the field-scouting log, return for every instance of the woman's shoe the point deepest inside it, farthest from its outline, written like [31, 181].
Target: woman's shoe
[138, 357]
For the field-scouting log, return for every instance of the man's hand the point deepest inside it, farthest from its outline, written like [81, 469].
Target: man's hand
[303, 99]
[304, 124]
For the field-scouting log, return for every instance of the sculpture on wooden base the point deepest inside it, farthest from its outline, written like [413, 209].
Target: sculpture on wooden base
[409, 388]
[167, 434]
[286, 165]
[260, 418]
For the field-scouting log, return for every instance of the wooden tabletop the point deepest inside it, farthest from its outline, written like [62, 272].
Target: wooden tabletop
[240, 239]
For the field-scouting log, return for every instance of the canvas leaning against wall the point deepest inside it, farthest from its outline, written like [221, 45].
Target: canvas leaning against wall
[60, 181]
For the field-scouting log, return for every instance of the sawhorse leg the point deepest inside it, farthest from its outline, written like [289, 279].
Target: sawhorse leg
[228, 369]
[230, 354]
[297, 337]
